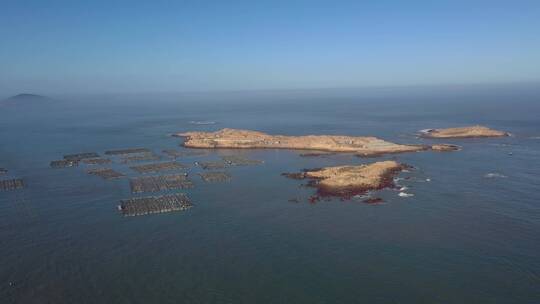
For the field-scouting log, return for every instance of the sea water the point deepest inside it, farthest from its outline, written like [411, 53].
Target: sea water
[465, 236]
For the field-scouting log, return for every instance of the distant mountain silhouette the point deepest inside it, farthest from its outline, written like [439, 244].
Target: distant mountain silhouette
[26, 99]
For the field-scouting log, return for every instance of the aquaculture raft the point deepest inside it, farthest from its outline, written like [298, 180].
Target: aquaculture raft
[127, 151]
[105, 173]
[212, 165]
[11, 184]
[142, 157]
[97, 161]
[64, 163]
[240, 161]
[154, 204]
[160, 183]
[158, 167]
[215, 176]
[175, 153]
[3, 171]
[80, 156]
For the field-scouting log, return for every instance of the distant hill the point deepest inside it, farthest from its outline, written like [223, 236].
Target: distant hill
[26, 99]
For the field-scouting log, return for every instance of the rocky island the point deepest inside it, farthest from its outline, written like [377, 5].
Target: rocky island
[246, 139]
[347, 181]
[25, 99]
[463, 132]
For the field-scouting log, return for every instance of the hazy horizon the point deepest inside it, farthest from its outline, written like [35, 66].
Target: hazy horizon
[321, 91]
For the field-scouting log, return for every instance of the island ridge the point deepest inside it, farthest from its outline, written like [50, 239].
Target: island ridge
[246, 139]
[463, 132]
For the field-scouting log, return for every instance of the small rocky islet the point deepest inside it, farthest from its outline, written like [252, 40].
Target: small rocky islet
[463, 132]
[348, 181]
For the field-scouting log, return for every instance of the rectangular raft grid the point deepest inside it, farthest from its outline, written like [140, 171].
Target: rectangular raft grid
[234, 160]
[64, 163]
[138, 158]
[156, 167]
[97, 161]
[127, 151]
[105, 173]
[212, 165]
[212, 177]
[154, 204]
[176, 153]
[11, 184]
[160, 183]
[80, 156]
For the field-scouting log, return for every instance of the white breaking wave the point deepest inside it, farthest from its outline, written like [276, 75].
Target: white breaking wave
[494, 175]
[404, 194]
[202, 122]
[425, 131]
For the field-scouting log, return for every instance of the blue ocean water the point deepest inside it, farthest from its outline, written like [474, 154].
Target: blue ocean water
[470, 233]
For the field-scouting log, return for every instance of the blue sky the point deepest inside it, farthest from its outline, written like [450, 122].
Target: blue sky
[144, 46]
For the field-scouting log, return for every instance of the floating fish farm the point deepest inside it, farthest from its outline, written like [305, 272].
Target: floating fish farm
[11, 184]
[64, 163]
[105, 173]
[240, 161]
[147, 184]
[127, 151]
[80, 156]
[160, 183]
[212, 165]
[212, 177]
[97, 161]
[154, 204]
[176, 153]
[139, 158]
[168, 166]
